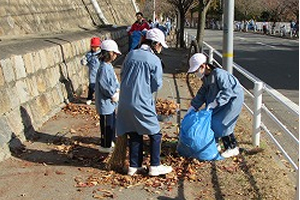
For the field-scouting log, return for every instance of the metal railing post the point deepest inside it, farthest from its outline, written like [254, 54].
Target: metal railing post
[210, 55]
[258, 88]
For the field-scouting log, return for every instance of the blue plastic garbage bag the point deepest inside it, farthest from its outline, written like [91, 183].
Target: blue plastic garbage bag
[196, 138]
[135, 39]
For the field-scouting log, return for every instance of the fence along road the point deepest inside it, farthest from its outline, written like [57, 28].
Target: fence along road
[275, 61]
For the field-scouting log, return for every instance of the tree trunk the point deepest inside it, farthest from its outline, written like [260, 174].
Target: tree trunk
[181, 31]
[200, 29]
[118, 158]
[201, 22]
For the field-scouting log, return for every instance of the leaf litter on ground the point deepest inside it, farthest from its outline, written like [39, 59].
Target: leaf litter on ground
[253, 172]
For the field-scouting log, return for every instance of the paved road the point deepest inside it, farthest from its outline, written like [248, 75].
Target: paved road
[275, 61]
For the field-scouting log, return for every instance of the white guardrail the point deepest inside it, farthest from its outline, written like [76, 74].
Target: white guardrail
[256, 112]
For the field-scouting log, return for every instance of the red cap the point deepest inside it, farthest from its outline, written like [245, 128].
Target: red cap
[95, 42]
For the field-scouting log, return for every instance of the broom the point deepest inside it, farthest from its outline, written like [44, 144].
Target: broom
[118, 157]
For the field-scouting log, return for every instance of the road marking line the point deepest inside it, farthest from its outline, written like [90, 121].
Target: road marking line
[241, 38]
[263, 44]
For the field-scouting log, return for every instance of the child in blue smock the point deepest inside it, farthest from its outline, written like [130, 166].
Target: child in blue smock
[141, 76]
[222, 93]
[91, 60]
[107, 94]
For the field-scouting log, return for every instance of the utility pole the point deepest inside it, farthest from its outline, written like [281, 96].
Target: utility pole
[227, 60]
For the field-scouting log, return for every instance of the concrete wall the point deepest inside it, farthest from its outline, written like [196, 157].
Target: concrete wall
[39, 73]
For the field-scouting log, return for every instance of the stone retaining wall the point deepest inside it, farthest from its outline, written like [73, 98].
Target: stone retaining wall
[37, 76]
[25, 17]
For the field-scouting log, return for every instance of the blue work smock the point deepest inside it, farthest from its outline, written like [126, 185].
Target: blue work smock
[141, 76]
[106, 86]
[223, 87]
[93, 64]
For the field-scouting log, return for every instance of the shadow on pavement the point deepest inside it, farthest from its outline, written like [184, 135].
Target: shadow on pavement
[74, 151]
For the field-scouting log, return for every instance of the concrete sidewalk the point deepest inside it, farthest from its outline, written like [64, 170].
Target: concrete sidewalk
[41, 169]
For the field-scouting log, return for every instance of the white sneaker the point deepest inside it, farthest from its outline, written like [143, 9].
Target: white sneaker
[219, 147]
[105, 150]
[135, 170]
[159, 170]
[231, 152]
[88, 102]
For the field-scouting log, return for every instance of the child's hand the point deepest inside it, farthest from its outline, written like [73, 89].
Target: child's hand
[212, 105]
[115, 97]
[84, 61]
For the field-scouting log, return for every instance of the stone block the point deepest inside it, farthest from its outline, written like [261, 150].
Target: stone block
[58, 88]
[72, 67]
[67, 51]
[31, 85]
[5, 132]
[41, 82]
[57, 100]
[52, 77]
[36, 60]
[28, 63]
[57, 54]
[4, 101]
[44, 59]
[15, 121]
[56, 72]
[7, 67]
[12, 93]
[49, 56]
[22, 91]
[19, 67]
[63, 91]
[75, 47]
[42, 104]
[36, 117]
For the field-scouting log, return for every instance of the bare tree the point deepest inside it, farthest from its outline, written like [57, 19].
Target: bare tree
[249, 9]
[281, 10]
[182, 7]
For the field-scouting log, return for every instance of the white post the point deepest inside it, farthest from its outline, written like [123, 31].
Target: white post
[99, 12]
[210, 55]
[258, 86]
[227, 60]
[135, 6]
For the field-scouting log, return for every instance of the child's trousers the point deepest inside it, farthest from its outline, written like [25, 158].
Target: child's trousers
[136, 149]
[91, 91]
[108, 129]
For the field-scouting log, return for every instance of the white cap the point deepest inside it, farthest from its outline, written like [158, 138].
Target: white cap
[156, 35]
[110, 45]
[196, 61]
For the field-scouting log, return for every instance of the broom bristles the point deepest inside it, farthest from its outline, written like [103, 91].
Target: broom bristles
[118, 158]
